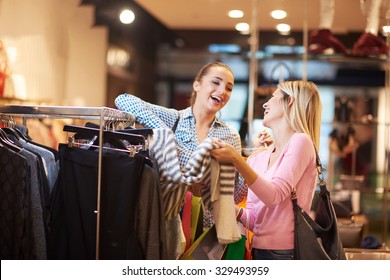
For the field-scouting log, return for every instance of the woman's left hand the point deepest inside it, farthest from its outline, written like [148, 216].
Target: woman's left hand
[263, 139]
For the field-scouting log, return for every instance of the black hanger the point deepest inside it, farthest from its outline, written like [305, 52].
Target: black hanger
[16, 132]
[7, 142]
[10, 131]
[142, 131]
[112, 136]
[19, 131]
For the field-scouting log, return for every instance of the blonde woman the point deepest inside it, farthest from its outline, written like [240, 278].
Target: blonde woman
[293, 113]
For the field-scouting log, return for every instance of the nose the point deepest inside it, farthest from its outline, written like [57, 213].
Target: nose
[265, 105]
[221, 90]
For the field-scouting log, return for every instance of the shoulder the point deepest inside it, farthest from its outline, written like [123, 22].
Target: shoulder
[225, 126]
[301, 139]
[301, 146]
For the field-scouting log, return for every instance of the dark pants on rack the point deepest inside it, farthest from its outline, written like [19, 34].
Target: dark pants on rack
[73, 225]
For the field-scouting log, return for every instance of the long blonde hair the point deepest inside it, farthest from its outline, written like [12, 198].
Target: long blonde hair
[304, 115]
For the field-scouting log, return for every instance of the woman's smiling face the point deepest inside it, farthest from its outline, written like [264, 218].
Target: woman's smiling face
[214, 89]
[273, 108]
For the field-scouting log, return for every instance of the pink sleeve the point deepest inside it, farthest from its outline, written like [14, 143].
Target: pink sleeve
[290, 167]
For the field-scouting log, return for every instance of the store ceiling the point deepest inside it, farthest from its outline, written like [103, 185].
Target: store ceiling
[212, 14]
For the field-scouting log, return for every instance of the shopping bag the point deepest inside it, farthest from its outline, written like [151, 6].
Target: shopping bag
[318, 238]
[236, 250]
[241, 249]
[206, 247]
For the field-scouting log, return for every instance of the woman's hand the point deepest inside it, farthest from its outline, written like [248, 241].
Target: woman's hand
[263, 139]
[225, 152]
[196, 189]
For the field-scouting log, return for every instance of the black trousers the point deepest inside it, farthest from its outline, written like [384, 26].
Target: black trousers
[74, 204]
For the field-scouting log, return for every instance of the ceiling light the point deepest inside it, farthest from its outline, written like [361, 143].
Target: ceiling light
[242, 26]
[283, 28]
[245, 32]
[386, 30]
[236, 14]
[127, 16]
[278, 14]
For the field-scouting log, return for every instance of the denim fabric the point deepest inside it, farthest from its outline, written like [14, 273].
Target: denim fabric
[260, 254]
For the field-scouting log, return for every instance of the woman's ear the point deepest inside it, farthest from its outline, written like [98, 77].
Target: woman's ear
[291, 100]
[195, 86]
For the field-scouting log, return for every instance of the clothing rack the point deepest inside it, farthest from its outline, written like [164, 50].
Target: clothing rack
[105, 115]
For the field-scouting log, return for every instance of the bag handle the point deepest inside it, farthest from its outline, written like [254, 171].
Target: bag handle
[323, 194]
[175, 124]
[321, 182]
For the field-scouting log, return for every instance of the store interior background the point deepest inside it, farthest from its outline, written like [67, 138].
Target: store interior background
[77, 53]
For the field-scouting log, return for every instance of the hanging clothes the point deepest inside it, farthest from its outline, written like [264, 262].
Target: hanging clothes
[15, 226]
[124, 224]
[40, 166]
[28, 182]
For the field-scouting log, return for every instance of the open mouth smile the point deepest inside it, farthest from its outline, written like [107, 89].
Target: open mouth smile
[217, 99]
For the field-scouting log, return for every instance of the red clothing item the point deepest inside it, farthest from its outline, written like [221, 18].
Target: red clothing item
[269, 197]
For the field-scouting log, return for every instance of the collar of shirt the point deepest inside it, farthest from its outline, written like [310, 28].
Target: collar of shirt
[187, 113]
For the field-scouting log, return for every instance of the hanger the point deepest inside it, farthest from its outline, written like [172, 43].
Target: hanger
[10, 131]
[146, 132]
[142, 131]
[15, 132]
[112, 136]
[7, 142]
[11, 128]
[21, 134]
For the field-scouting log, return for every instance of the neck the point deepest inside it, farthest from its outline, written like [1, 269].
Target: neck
[202, 117]
[203, 121]
[282, 135]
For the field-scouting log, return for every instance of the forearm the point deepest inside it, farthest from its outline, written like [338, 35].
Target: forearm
[147, 114]
[245, 170]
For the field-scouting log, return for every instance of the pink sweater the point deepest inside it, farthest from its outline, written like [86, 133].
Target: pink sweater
[269, 205]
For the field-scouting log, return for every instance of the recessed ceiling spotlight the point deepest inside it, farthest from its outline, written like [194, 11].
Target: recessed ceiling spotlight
[242, 26]
[236, 14]
[278, 14]
[126, 16]
[245, 32]
[283, 28]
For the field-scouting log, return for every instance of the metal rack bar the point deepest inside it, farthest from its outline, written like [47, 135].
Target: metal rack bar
[65, 112]
[72, 112]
